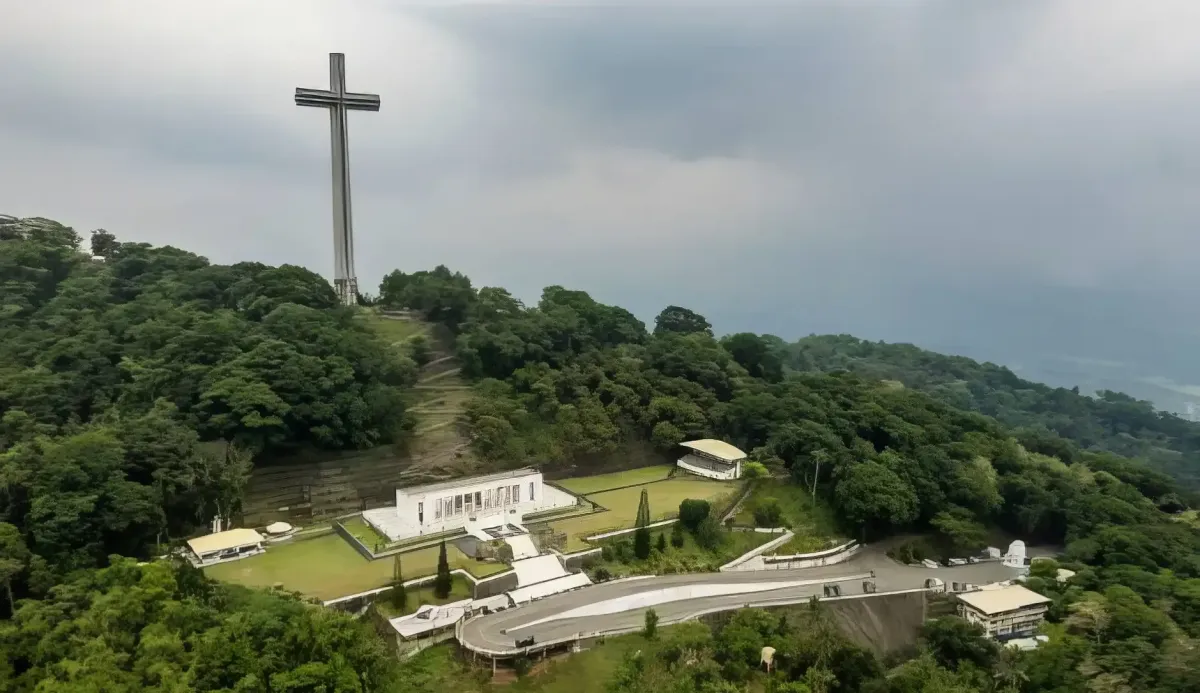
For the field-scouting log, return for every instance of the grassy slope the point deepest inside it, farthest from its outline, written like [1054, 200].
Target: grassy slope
[339, 482]
[688, 558]
[813, 523]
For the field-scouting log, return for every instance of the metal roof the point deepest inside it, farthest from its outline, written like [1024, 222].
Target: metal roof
[229, 539]
[717, 448]
[998, 601]
[468, 481]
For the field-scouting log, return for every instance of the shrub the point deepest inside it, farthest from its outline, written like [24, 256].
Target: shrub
[641, 543]
[606, 552]
[677, 535]
[521, 665]
[602, 574]
[768, 513]
[651, 624]
[419, 349]
[708, 534]
[692, 512]
[398, 596]
[662, 543]
[754, 470]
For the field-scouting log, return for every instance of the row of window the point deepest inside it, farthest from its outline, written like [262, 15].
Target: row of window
[468, 503]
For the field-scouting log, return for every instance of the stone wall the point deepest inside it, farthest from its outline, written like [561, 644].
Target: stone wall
[882, 622]
[575, 562]
[498, 584]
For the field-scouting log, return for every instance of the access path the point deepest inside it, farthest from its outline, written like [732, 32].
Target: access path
[617, 607]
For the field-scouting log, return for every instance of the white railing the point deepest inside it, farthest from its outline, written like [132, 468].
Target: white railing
[619, 532]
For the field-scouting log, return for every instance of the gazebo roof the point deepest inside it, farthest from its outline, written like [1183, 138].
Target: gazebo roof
[229, 539]
[716, 448]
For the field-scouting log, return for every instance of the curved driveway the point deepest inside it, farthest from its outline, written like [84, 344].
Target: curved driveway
[496, 633]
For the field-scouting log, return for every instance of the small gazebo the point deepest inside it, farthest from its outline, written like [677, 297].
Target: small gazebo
[712, 458]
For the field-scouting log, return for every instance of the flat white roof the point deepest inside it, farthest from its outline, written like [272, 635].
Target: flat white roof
[468, 481]
[998, 601]
[549, 587]
[428, 618]
[717, 448]
[229, 539]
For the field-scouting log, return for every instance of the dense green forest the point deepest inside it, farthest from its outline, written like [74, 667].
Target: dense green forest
[1107, 421]
[137, 389]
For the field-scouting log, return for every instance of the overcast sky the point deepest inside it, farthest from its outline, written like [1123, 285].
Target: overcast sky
[1016, 176]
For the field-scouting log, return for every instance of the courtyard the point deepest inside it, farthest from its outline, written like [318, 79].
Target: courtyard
[327, 567]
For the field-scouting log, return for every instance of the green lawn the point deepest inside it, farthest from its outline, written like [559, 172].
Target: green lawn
[602, 482]
[392, 330]
[327, 567]
[622, 504]
[419, 596]
[365, 533]
[813, 524]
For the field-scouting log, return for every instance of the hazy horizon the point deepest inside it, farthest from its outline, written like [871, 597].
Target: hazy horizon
[1011, 182]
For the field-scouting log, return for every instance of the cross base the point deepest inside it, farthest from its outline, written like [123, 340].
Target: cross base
[347, 291]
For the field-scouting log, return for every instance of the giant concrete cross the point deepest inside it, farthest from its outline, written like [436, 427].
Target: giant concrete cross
[339, 102]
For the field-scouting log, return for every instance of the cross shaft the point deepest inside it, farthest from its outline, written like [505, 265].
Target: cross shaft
[339, 102]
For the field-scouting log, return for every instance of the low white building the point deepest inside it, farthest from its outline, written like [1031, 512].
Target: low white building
[225, 546]
[1004, 612]
[712, 458]
[474, 503]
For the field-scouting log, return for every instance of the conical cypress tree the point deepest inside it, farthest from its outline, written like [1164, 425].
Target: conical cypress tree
[399, 594]
[443, 581]
[641, 538]
[643, 514]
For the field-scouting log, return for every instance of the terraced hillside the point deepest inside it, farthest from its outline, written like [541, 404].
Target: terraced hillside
[323, 486]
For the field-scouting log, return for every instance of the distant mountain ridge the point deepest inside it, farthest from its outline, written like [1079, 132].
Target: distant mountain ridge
[1111, 421]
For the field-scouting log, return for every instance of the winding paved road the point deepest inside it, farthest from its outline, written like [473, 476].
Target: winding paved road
[548, 619]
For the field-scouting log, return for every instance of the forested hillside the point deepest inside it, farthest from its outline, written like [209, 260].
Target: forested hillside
[1107, 421]
[116, 369]
[137, 387]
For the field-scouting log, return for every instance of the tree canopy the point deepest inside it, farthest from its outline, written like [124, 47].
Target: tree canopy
[138, 383]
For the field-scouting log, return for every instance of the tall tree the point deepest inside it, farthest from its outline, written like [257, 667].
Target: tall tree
[641, 536]
[14, 556]
[443, 581]
[643, 512]
[682, 321]
[399, 596]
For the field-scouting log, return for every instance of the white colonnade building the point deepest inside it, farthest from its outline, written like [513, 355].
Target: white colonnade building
[476, 504]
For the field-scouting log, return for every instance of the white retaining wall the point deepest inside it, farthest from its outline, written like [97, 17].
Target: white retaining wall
[773, 544]
[631, 530]
[817, 559]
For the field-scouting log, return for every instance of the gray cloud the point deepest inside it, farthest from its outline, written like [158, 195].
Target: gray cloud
[974, 173]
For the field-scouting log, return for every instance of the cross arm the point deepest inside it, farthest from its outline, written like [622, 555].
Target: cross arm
[328, 99]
